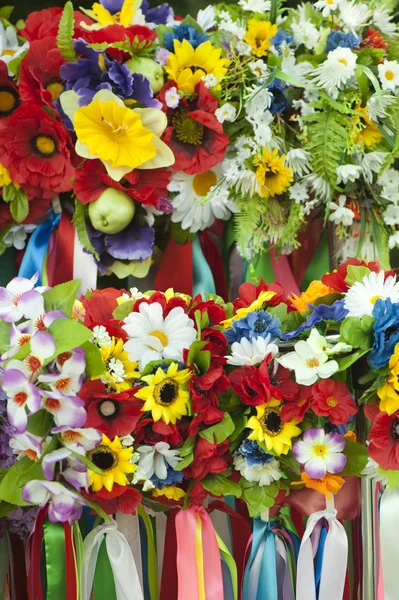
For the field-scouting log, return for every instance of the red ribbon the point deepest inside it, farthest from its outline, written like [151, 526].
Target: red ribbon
[18, 580]
[60, 257]
[169, 568]
[215, 262]
[34, 552]
[176, 268]
[71, 582]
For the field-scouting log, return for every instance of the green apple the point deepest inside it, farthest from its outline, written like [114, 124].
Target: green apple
[150, 69]
[112, 211]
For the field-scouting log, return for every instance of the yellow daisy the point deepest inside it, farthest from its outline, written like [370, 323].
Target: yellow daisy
[119, 369]
[272, 174]
[260, 303]
[269, 428]
[186, 66]
[114, 461]
[389, 392]
[166, 394]
[171, 492]
[259, 35]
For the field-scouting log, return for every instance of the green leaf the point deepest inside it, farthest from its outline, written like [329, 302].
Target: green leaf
[199, 357]
[62, 297]
[5, 329]
[187, 460]
[180, 235]
[79, 222]
[94, 363]
[357, 456]
[40, 423]
[123, 310]
[5, 12]
[19, 206]
[220, 431]
[187, 447]
[392, 477]
[354, 274]
[348, 361]
[68, 334]
[259, 498]
[219, 485]
[5, 509]
[15, 64]
[358, 333]
[154, 505]
[65, 33]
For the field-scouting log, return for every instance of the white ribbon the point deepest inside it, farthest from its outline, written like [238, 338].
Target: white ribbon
[127, 584]
[84, 267]
[284, 582]
[129, 526]
[389, 527]
[333, 571]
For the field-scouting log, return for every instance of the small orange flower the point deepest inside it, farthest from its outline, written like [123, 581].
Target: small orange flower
[350, 435]
[327, 485]
[316, 290]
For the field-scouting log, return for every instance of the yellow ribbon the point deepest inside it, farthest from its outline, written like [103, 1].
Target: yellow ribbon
[199, 558]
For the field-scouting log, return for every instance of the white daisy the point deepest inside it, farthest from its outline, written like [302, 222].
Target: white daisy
[298, 71]
[320, 186]
[243, 48]
[264, 474]
[299, 192]
[391, 215]
[305, 33]
[382, 19]
[199, 199]
[298, 160]
[258, 6]
[341, 215]
[354, 15]
[153, 337]
[388, 72]
[252, 352]
[9, 45]
[227, 112]
[371, 162]
[17, 235]
[334, 72]
[210, 81]
[257, 101]
[378, 104]
[326, 6]
[393, 241]
[389, 180]
[309, 364]
[346, 173]
[258, 67]
[206, 18]
[362, 296]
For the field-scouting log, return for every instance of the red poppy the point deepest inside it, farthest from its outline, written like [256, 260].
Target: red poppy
[151, 432]
[39, 80]
[194, 134]
[198, 493]
[148, 189]
[384, 440]
[118, 33]
[112, 414]
[208, 459]
[42, 23]
[37, 209]
[216, 313]
[298, 406]
[205, 391]
[249, 292]
[121, 499]
[374, 39]
[336, 279]
[9, 95]
[216, 344]
[332, 399]
[167, 305]
[100, 305]
[37, 151]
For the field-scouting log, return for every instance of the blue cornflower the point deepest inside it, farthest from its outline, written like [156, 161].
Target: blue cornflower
[279, 39]
[339, 39]
[386, 332]
[258, 323]
[173, 477]
[253, 453]
[323, 312]
[184, 32]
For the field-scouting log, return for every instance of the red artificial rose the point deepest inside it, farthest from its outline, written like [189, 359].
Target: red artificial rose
[39, 79]
[9, 95]
[374, 39]
[121, 499]
[208, 459]
[151, 432]
[332, 399]
[118, 33]
[43, 23]
[384, 440]
[249, 292]
[37, 151]
[194, 134]
[298, 406]
[100, 305]
[112, 414]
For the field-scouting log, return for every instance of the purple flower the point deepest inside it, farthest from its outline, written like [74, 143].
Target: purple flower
[64, 505]
[323, 312]
[120, 75]
[67, 410]
[11, 296]
[7, 457]
[113, 6]
[133, 243]
[21, 521]
[143, 93]
[162, 56]
[165, 206]
[158, 15]
[320, 452]
[69, 380]
[73, 470]
[21, 395]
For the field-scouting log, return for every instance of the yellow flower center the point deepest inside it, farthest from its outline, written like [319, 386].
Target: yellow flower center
[272, 423]
[389, 75]
[161, 335]
[374, 299]
[203, 182]
[55, 88]
[330, 2]
[273, 176]
[103, 457]
[343, 61]
[8, 101]
[187, 129]
[8, 52]
[44, 145]
[312, 363]
[331, 401]
[320, 449]
[166, 392]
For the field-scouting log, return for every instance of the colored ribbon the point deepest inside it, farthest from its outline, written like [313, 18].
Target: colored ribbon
[35, 253]
[103, 583]
[84, 267]
[229, 570]
[4, 563]
[215, 261]
[198, 557]
[260, 578]
[60, 259]
[55, 553]
[389, 523]
[176, 268]
[129, 526]
[333, 568]
[284, 578]
[148, 548]
[283, 273]
[169, 566]
[124, 571]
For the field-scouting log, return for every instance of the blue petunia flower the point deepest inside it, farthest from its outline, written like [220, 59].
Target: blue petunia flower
[253, 453]
[323, 312]
[258, 323]
[184, 32]
[339, 39]
[280, 38]
[386, 332]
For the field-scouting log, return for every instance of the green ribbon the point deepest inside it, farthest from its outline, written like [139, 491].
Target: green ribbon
[229, 239]
[231, 564]
[202, 275]
[153, 583]
[79, 550]
[260, 267]
[54, 549]
[320, 263]
[103, 585]
[4, 562]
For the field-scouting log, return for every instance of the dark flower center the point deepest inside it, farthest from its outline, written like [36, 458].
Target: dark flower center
[44, 145]
[187, 129]
[108, 409]
[260, 326]
[250, 391]
[390, 331]
[166, 392]
[272, 424]
[103, 458]
[8, 100]
[395, 429]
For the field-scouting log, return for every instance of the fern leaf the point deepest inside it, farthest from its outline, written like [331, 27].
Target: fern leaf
[79, 222]
[65, 33]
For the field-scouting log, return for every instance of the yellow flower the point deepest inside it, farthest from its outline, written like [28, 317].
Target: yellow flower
[5, 178]
[186, 66]
[104, 17]
[78, 311]
[119, 369]
[166, 395]
[269, 428]
[171, 492]
[364, 131]
[389, 392]
[114, 461]
[327, 485]
[259, 35]
[259, 304]
[316, 290]
[274, 177]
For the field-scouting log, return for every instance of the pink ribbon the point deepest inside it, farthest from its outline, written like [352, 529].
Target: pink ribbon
[283, 273]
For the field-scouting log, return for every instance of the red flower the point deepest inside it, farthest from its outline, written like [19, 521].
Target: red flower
[40, 80]
[336, 279]
[121, 499]
[112, 414]
[249, 292]
[37, 151]
[332, 399]
[208, 459]
[43, 23]
[100, 305]
[118, 33]
[216, 344]
[151, 432]
[167, 305]
[204, 392]
[298, 406]
[194, 134]
[37, 209]
[9, 96]
[374, 39]
[384, 440]
[216, 313]
[148, 189]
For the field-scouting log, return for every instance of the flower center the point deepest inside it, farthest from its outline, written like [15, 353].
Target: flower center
[395, 429]
[55, 88]
[389, 332]
[8, 52]
[20, 398]
[72, 436]
[108, 409]
[32, 454]
[260, 326]
[8, 101]
[343, 61]
[203, 182]
[331, 401]
[187, 129]
[44, 145]
[33, 364]
[39, 323]
[63, 384]
[161, 335]
[389, 75]
[24, 339]
[320, 450]
[272, 424]
[166, 392]
[52, 404]
[312, 363]
[103, 458]
[250, 391]
[374, 299]
[63, 357]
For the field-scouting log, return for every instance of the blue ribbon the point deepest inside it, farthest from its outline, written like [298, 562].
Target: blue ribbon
[228, 593]
[319, 556]
[263, 541]
[202, 275]
[36, 249]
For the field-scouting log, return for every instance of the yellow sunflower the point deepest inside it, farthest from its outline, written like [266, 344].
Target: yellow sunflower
[186, 66]
[119, 369]
[274, 177]
[114, 461]
[171, 492]
[364, 131]
[166, 394]
[260, 303]
[389, 392]
[259, 35]
[269, 428]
